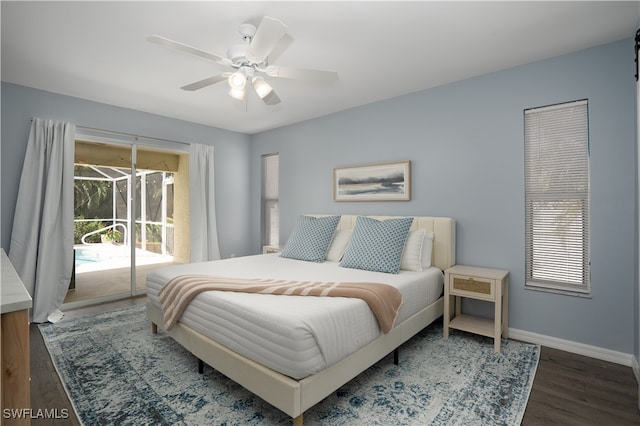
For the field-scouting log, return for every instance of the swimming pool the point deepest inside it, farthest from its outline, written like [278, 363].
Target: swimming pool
[85, 256]
[97, 257]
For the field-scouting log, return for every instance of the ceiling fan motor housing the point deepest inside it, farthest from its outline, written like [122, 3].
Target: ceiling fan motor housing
[238, 53]
[247, 31]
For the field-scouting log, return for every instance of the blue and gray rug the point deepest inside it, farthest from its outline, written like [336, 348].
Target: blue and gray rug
[116, 372]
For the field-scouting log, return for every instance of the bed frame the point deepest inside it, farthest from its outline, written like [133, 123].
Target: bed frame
[292, 396]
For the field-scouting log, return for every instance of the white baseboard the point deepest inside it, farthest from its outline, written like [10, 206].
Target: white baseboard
[577, 348]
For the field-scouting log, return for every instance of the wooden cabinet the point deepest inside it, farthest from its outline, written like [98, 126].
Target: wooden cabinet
[14, 347]
[491, 285]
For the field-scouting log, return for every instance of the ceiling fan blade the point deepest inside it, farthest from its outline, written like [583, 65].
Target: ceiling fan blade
[280, 47]
[188, 49]
[317, 76]
[267, 36]
[206, 82]
[271, 99]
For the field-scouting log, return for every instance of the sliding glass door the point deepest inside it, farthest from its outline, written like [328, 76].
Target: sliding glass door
[125, 219]
[102, 259]
[153, 224]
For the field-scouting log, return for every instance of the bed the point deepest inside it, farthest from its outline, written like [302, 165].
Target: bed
[295, 374]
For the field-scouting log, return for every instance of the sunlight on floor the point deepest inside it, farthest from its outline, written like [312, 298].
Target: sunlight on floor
[104, 270]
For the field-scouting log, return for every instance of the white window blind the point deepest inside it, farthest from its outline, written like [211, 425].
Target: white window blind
[270, 200]
[557, 197]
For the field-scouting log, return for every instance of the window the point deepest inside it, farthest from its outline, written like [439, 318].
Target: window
[270, 210]
[557, 198]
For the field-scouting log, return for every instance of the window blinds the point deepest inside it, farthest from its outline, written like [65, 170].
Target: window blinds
[270, 200]
[557, 197]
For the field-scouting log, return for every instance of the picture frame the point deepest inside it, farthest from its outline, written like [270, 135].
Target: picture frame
[390, 181]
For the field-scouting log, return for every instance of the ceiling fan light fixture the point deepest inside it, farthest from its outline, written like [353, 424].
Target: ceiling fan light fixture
[237, 93]
[261, 87]
[237, 80]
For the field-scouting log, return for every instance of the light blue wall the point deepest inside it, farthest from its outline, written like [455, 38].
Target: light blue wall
[232, 151]
[465, 143]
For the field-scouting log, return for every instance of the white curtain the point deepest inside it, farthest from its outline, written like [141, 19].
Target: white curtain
[202, 206]
[41, 247]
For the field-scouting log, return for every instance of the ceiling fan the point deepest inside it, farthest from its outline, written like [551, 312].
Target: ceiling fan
[251, 61]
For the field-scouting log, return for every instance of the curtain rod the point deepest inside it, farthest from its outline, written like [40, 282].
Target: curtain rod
[113, 132]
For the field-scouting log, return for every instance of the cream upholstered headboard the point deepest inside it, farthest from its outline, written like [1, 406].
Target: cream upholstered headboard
[444, 235]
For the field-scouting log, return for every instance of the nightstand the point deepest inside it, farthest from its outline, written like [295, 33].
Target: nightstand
[491, 285]
[271, 249]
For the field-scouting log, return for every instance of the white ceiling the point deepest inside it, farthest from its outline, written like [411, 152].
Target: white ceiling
[98, 51]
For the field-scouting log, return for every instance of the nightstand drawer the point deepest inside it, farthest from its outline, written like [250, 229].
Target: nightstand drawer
[480, 288]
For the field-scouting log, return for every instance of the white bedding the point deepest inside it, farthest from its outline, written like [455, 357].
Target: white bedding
[299, 338]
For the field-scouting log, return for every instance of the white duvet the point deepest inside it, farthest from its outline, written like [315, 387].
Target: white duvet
[294, 335]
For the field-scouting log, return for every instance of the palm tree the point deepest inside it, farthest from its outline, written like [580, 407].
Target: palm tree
[92, 198]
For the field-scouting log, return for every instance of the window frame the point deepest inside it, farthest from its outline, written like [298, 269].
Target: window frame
[561, 186]
[269, 236]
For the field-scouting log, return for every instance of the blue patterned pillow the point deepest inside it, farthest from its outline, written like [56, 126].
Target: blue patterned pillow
[377, 245]
[311, 238]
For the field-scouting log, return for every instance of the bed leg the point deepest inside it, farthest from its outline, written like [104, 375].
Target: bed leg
[396, 356]
[154, 328]
[200, 366]
[297, 421]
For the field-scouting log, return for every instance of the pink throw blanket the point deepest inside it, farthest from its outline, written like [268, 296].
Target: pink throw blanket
[384, 300]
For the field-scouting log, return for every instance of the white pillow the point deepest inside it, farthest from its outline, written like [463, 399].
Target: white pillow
[417, 251]
[427, 249]
[339, 244]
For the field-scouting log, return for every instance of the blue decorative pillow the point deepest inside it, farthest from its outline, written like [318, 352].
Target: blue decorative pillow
[377, 245]
[311, 238]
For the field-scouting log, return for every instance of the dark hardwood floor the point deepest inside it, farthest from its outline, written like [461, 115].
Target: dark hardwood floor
[571, 389]
[568, 389]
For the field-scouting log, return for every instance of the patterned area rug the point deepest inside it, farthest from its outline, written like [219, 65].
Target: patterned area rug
[116, 372]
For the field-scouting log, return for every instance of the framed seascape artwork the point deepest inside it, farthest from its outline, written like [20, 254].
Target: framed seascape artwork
[373, 182]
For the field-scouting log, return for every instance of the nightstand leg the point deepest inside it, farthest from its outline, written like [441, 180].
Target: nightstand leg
[446, 316]
[497, 321]
[505, 309]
